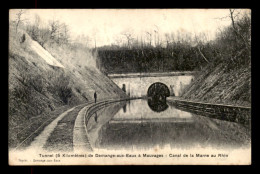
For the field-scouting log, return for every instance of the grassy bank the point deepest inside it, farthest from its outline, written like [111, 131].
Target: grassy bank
[38, 88]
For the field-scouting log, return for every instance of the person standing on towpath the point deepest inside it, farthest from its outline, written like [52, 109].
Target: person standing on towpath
[95, 96]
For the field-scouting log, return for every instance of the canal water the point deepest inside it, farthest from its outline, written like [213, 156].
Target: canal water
[133, 124]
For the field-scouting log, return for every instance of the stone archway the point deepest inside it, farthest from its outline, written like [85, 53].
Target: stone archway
[158, 89]
[157, 93]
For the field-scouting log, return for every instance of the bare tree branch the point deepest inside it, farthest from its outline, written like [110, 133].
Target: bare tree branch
[19, 18]
[198, 46]
[129, 37]
[236, 31]
[202, 55]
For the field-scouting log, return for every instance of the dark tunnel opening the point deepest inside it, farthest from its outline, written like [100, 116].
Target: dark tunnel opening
[157, 94]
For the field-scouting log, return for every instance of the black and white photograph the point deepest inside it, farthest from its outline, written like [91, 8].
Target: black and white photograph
[129, 87]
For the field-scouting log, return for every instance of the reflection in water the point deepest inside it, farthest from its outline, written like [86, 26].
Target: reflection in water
[157, 105]
[140, 127]
[124, 108]
[103, 115]
[96, 117]
[139, 110]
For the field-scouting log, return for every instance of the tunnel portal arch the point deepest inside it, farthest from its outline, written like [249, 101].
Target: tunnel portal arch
[158, 89]
[157, 93]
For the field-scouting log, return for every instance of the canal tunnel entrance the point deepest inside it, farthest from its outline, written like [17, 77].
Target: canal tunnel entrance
[157, 93]
[137, 86]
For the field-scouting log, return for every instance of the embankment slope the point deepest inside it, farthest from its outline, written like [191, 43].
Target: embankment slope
[221, 85]
[42, 79]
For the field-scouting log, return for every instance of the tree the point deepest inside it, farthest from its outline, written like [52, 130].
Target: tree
[44, 36]
[150, 38]
[38, 31]
[95, 32]
[156, 39]
[119, 40]
[129, 37]
[66, 33]
[54, 26]
[19, 18]
[236, 30]
[199, 45]
[167, 38]
[63, 32]
[34, 28]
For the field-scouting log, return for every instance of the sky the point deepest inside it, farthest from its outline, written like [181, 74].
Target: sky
[108, 24]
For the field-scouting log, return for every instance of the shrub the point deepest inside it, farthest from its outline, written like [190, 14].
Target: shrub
[37, 82]
[59, 85]
[64, 93]
[21, 94]
[22, 39]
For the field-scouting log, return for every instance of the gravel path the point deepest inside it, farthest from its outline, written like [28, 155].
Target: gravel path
[67, 129]
[61, 139]
[41, 139]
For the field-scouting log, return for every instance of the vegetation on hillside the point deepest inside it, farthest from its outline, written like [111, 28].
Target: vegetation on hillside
[175, 57]
[224, 63]
[179, 51]
[36, 87]
[227, 77]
